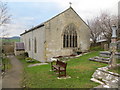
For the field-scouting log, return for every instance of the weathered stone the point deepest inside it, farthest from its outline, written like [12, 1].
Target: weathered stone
[100, 59]
[111, 79]
[37, 64]
[67, 77]
[97, 81]
[106, 86]
[105, 53]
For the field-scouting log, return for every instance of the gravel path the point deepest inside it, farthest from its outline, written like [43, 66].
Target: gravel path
[13, 77]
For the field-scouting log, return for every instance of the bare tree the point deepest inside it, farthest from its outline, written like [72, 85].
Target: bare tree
[94, 29]
[105, 23]
[101, 26]
[4, 20]
[4, 16]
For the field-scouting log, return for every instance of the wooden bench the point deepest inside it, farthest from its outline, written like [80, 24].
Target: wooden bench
[60, 67]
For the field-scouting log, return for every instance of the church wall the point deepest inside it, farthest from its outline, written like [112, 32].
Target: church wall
[55, 28]
[39, 34]
[50, 37]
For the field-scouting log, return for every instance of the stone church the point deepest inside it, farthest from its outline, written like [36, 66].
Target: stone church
[64, 34]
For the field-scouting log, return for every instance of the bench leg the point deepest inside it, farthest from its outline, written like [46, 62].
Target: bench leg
[65, 73]
[59, 74]
[62, 74]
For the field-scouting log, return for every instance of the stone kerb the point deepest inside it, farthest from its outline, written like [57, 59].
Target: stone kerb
[108, 54]
[106, 78]
[105, 53]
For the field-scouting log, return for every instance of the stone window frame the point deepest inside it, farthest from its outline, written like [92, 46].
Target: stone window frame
[70, 36]
[29, 45]
[35, 45]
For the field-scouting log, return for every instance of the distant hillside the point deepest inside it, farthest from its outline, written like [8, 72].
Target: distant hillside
[11, 39]
[15, 37]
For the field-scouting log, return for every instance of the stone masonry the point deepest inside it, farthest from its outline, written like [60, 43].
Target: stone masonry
[49, 37]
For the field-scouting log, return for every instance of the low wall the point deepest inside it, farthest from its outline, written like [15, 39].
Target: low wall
[8, 49]
[18, 52]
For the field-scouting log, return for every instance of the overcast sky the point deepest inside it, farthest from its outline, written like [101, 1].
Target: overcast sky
[29, 13]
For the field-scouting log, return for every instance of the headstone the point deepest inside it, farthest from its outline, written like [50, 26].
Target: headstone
[106, 47]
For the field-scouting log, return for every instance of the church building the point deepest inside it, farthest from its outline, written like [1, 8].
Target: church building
[65, 34]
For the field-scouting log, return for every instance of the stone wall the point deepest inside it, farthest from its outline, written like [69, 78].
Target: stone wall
[8, 49]
[39, 34]
[54, 34]
[18, 52]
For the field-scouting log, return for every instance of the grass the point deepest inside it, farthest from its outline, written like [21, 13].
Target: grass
[115, 70]
[10, 40]
[79, 69]
[23, 59]
[7, 63]
[96, 48]
[118, 50]
[118, 61]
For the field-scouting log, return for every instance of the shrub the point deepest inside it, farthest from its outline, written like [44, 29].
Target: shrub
[26, 54]
[28, 59]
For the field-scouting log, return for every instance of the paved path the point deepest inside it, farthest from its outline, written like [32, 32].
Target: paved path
[13, 77]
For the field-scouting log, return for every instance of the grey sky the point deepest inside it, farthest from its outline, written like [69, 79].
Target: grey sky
[28, 13]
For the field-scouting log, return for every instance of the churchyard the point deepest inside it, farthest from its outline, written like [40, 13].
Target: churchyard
[70, 41]
[79, 69]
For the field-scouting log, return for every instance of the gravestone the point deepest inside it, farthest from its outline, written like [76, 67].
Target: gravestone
[106, 47]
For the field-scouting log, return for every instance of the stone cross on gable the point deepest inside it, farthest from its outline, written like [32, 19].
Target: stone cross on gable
[70, 4]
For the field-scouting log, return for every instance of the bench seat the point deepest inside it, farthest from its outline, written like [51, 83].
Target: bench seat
[59, 67]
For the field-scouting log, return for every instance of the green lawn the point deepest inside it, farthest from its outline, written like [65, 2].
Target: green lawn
[79, 69]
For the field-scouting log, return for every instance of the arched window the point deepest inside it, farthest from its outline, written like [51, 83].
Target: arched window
[35, 45]
[70, 36]
[29, 44]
